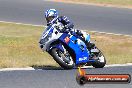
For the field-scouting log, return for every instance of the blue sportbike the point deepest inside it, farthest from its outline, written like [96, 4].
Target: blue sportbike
[68, 50]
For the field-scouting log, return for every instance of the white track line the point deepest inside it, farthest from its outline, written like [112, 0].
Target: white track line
[112, 33]
[32, 69]
[17, 69]
[22, 23]
[84, 30]
[112, 65]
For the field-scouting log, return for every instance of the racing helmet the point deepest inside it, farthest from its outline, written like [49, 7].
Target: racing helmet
[50, 15]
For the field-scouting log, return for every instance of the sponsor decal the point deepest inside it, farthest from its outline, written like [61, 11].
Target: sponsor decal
[83, 78]
[82, 59]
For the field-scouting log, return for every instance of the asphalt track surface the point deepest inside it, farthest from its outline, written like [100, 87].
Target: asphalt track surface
[57, 78]
[94, 18]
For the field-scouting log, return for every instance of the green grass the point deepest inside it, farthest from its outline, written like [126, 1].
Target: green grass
[111, 2]
[19, 47]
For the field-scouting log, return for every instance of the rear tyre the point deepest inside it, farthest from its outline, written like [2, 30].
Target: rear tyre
[100, 61]
[64, 60]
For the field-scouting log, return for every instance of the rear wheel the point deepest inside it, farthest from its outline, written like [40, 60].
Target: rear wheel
[99, 58]
[62, 58]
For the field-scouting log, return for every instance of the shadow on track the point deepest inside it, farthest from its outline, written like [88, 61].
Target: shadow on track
[50, 67]
[46, 67]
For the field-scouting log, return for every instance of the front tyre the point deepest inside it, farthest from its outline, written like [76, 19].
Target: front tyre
[63, 59]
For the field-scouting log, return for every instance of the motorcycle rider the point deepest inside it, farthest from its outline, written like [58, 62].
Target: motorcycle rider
[51, 16]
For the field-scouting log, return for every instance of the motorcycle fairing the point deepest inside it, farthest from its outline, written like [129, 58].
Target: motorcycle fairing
[78, 46]
[48, 34]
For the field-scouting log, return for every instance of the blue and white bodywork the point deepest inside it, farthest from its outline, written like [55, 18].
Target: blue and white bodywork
[67, 50]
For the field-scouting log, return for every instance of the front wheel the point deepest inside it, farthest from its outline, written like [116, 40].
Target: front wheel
[100, 60]
[63, 59]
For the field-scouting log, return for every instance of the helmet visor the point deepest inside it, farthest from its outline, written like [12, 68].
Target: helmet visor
[50, 18]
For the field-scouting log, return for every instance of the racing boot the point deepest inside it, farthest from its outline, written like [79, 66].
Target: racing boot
[86, 39]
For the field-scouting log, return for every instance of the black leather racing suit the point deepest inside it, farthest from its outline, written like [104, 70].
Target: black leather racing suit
[68, 25]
